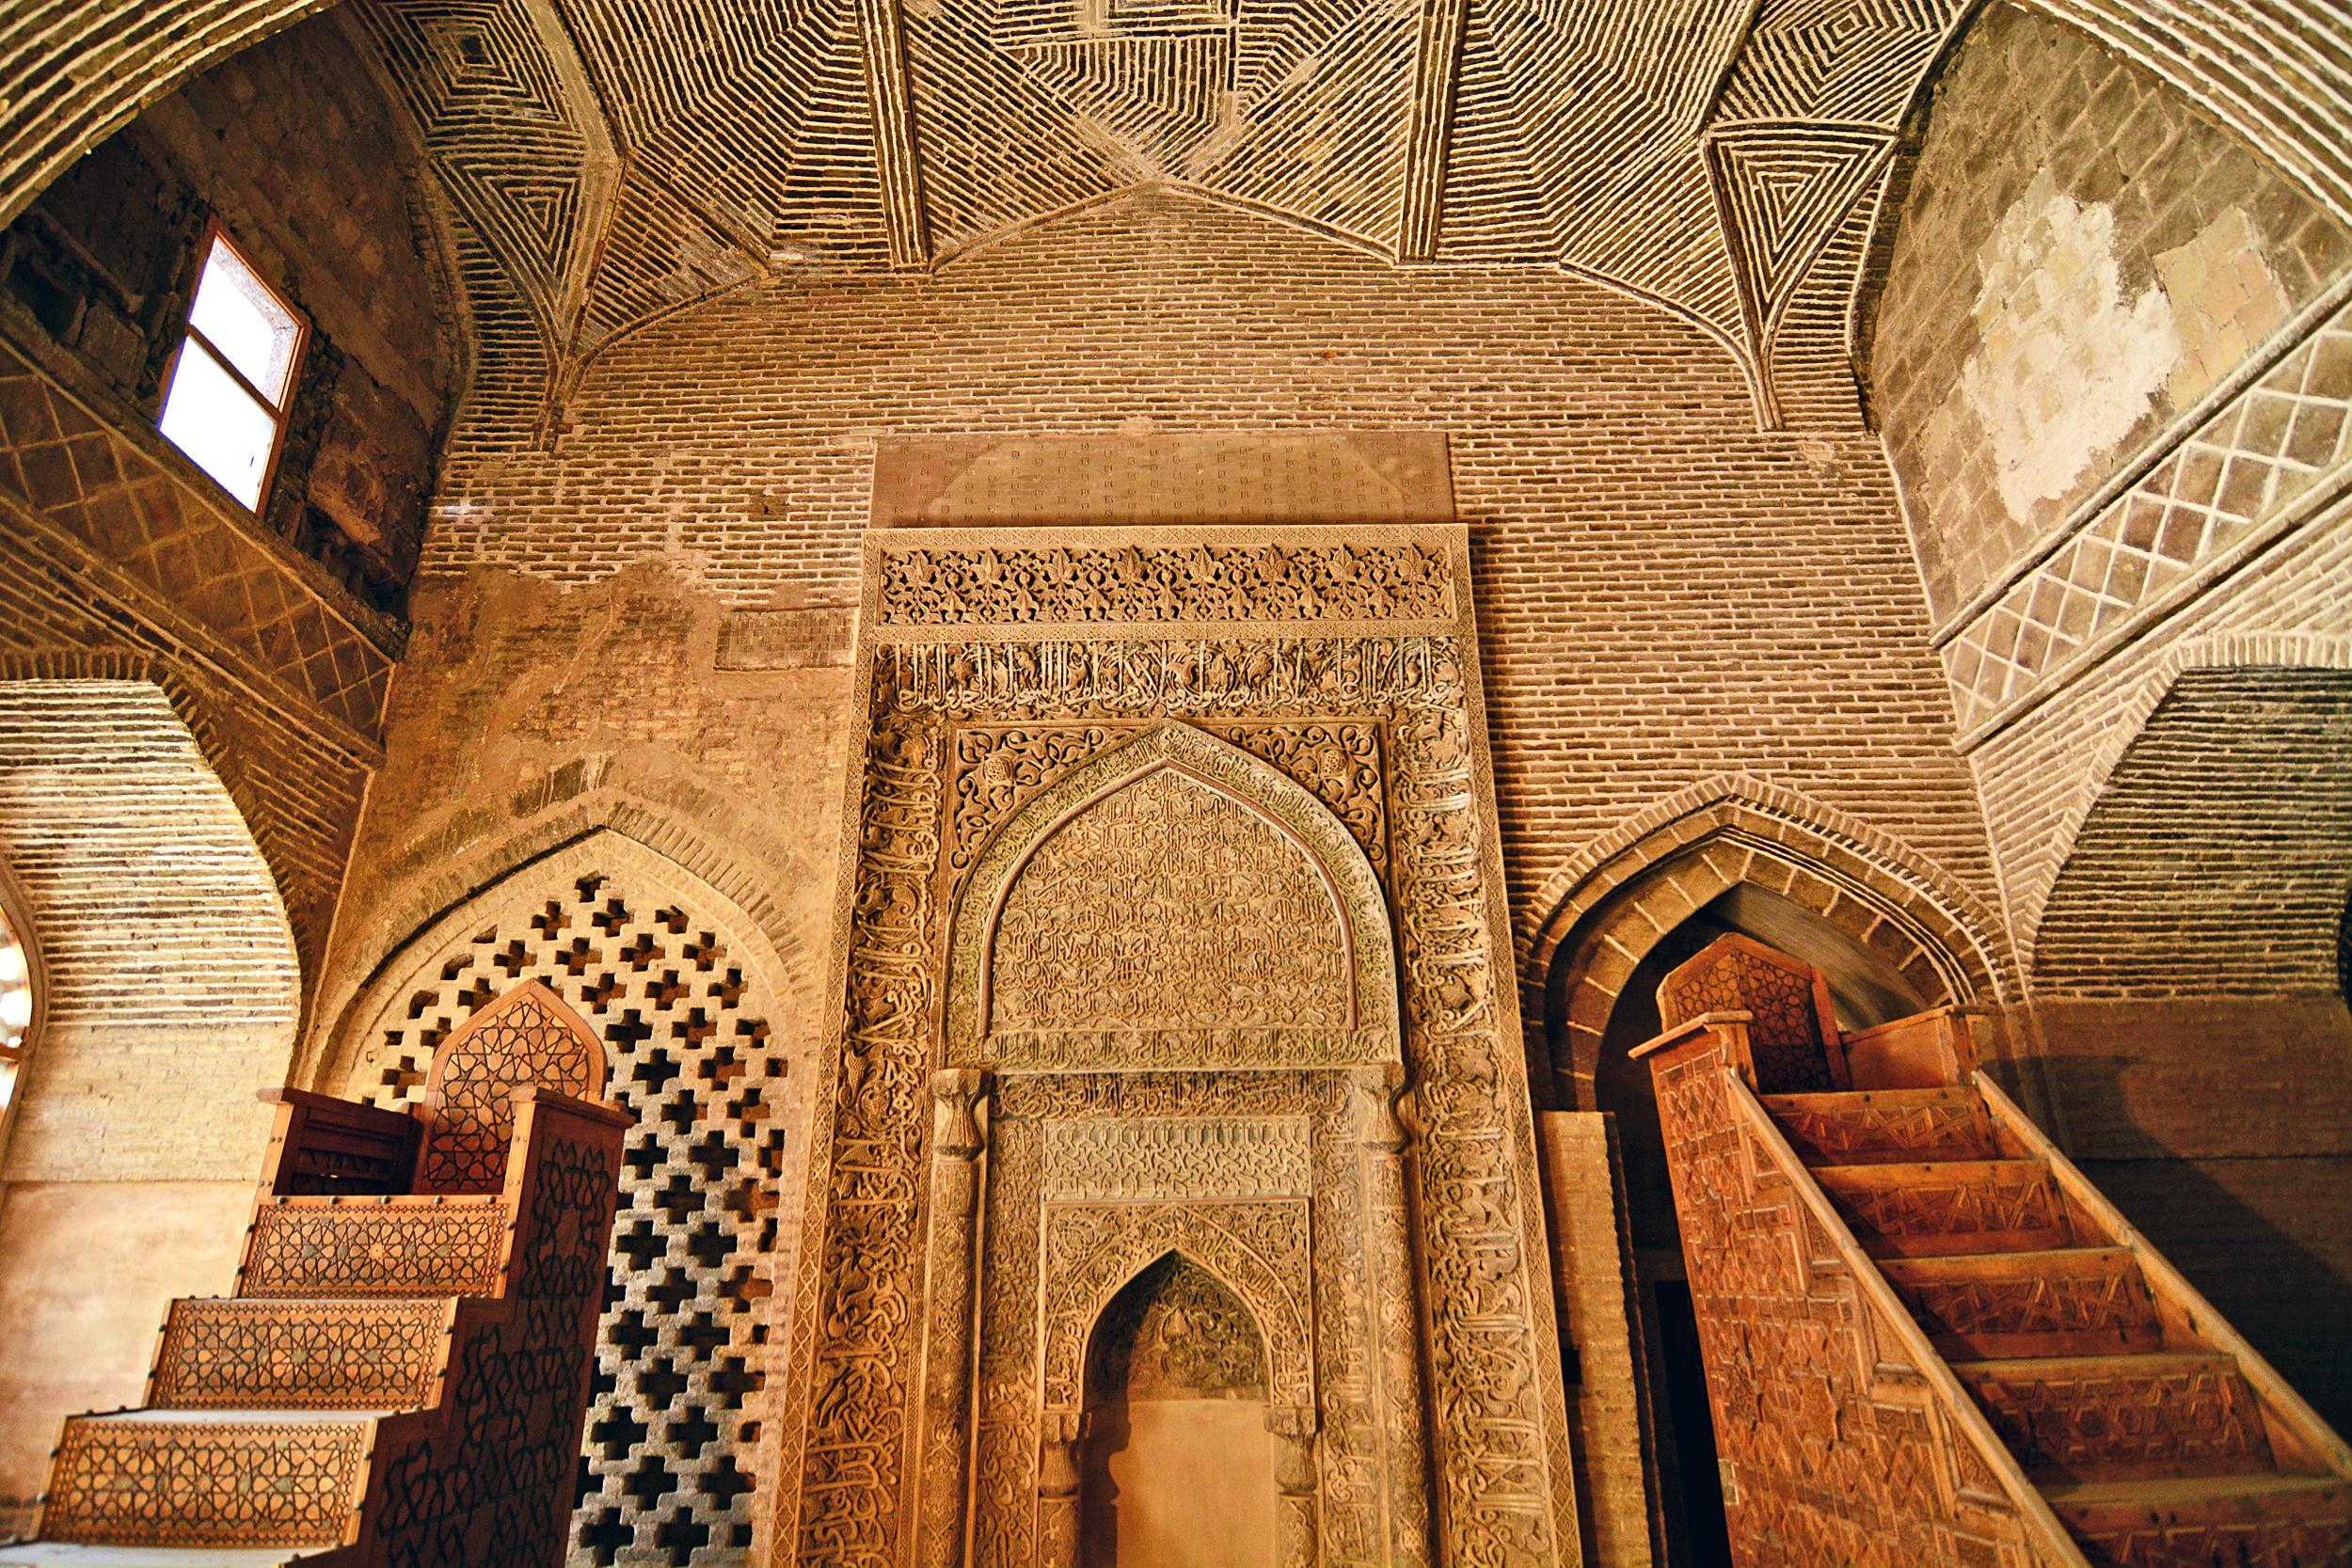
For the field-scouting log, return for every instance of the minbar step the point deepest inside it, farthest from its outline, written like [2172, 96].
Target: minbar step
[268, 1354]
[2068, 1301]
[209, 1478]
[1929, 1207]
[1885, 1126]
[2118, 1417]
[2266, 1521]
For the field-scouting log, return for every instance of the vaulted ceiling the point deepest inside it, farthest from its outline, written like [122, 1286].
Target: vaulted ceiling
[622, 158]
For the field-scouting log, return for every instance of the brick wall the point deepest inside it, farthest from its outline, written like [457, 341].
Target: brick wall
[172, 992]
[2114, 363]
[1642, 550]
[2081, 254]
[291, 150]
[171, 979]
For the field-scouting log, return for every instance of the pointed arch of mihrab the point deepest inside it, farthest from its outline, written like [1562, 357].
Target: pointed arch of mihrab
[1171, 903]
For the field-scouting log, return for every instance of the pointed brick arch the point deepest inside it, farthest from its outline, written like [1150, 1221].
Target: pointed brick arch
[687, 996]
[2034, 863]
[1626, 889]
[195, 711]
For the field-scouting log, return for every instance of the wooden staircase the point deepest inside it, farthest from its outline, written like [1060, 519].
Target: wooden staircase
[401, 1376]
[2141, 1421]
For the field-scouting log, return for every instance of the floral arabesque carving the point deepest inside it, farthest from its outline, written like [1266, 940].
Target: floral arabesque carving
[1176, 1331]
[1497, 1421]
[1022, 585]
[1165, 907]
[1259, 1250]
[998, 766]
[1255, 796]
[1179, 1157]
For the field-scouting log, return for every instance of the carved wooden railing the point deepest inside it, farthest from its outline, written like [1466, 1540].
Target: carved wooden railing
[1841, 1243]
[1843, 1436]
[401, 1379]
[2299, 1439]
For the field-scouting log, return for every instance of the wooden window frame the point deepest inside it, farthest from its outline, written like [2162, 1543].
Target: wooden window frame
[216, 233]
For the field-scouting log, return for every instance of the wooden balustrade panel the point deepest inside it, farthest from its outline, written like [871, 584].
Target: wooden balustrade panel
[1834, 1448]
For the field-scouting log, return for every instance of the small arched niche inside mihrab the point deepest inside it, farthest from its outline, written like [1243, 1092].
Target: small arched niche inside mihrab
[1177, 1470]
[1169, 904]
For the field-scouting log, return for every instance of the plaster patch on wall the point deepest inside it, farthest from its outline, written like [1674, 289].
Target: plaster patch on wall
[2225, 302]
[2067, 364]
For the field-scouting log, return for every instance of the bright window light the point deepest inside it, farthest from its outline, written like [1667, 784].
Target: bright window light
[16, 1005]
[233, 380]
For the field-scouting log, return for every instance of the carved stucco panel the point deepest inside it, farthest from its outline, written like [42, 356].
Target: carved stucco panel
[1499, 1428]
[1167, 906]
[1170, 839]
[1259, 1250]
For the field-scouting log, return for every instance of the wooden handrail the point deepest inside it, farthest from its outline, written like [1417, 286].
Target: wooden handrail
[2057, 1549]
[1703, 1023]
[2286, 1413]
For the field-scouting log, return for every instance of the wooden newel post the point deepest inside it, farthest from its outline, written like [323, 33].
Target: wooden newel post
[957, 1143]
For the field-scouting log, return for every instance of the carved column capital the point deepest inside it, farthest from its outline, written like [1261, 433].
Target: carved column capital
[1295, 1480]
[955, 1094]
[1377, 1090]
[1057, 1452]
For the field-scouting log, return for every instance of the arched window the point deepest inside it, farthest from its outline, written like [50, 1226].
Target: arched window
[20, 990]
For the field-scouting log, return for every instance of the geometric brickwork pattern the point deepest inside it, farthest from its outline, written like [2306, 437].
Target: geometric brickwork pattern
[2227, 488]
[169, 546]
[674, 1427]
[664, 150]
[623, 160]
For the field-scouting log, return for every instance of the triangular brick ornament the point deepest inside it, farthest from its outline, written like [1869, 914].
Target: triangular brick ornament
[1781, 191]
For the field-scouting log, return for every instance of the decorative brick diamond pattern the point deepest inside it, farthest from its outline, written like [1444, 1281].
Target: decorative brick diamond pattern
[2230, 479]
[682, 1349]
[63, 466]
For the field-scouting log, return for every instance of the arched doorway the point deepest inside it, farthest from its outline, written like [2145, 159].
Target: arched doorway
[1866, 988]
[1177, 1470]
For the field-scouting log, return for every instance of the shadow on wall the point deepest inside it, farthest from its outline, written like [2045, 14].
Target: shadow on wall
[2188, 976]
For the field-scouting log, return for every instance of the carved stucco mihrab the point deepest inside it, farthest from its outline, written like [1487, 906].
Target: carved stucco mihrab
[1106, 931]
[1171, 902]
[1342, 728]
